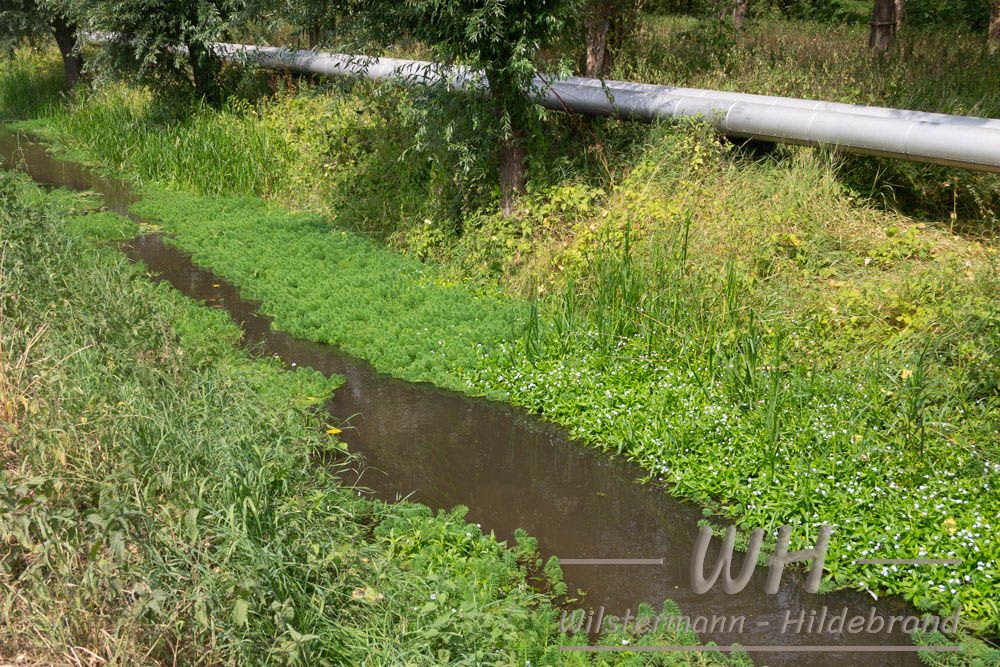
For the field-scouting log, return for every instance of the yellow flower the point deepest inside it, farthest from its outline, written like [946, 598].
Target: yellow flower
[950, 525]
[906, 374]
[334, 431]
[368, 594]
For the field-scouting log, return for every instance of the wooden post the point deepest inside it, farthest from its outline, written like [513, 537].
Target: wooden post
[734, 10]
[995, 26]
[883, 25]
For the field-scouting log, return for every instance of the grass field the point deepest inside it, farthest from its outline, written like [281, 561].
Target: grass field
[788, 338]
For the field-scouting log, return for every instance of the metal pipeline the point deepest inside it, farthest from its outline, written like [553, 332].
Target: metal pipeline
[615, 87]
[956, 141]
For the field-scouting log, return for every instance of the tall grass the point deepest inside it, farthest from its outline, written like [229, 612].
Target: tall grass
[942, 69]
[17, 384]
[30, 84]
[163, 506]
[211, 152]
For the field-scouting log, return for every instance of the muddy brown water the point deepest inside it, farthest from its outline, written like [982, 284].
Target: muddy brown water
[512, 470]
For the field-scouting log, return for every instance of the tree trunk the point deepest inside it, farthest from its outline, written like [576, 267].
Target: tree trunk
[995, 26]
[598, 25]
[740, 12]
[883, 25]
[320, 29]
[608, 24]
[65, 34]
[314, 35]
[513, 170]
[205, 71]
[900, 14]
[513, 113]
[734, 10]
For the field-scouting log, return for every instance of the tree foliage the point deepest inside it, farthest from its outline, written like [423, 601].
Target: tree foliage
[502, 38]
[165, 42]
[20, 19]
[24, 18]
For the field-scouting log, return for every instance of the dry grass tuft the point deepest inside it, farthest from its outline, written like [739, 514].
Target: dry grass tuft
[17, 384]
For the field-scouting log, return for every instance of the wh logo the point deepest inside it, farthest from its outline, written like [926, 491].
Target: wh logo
[776, 563]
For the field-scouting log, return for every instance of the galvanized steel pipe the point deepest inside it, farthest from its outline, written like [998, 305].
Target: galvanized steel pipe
[791, 102]
[957, 141]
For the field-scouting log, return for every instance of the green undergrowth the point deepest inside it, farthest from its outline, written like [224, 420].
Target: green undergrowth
[725, 401]
[338, 287]
[161, 501]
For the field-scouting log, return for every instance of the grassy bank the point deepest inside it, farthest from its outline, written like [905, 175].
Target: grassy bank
[708, 384]
[941, 69]
[161, 500]
[756, 332]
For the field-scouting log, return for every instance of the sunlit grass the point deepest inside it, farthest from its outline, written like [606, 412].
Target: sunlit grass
[760, 332]
[162, 499]
[30, 83]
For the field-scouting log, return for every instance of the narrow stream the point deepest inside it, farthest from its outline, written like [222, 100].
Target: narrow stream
[512, 470]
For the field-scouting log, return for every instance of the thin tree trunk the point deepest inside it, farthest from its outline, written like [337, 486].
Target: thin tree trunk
[883, 25]
[314, 35]
[513, 170]
[608, 24]
[995, 26]
[740, 12]
[900, 14]
[734, 10]
[512, 112]
[205, 70]
[320, 29]
[598, 25]
[66, 38]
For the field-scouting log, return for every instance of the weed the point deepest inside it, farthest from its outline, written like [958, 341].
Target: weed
[17, 386]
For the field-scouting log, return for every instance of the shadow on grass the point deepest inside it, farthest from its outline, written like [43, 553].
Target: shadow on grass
[31, 85]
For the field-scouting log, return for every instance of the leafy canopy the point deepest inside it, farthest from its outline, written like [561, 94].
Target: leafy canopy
[21, 19]
[147, 33]
[501, 37]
